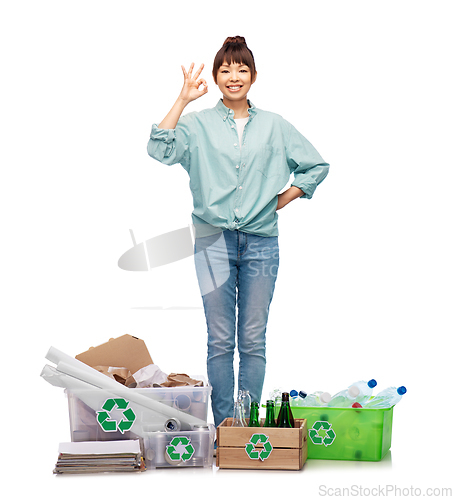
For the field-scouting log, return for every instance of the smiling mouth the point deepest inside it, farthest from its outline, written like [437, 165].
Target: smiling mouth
[234, 88]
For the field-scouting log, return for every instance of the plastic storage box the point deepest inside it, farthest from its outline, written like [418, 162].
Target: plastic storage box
[107, 418]
[180, 449]
[346, 433]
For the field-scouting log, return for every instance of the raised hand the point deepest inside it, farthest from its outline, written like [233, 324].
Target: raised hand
[191, 89]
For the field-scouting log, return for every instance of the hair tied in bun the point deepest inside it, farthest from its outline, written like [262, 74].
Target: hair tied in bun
[235, 39]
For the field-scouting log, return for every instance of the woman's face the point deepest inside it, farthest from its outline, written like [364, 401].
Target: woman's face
[234, 80]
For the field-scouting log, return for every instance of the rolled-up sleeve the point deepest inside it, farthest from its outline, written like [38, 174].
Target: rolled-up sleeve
[170, 146]
[305, 163]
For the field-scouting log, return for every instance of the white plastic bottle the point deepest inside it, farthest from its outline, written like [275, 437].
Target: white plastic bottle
[386, 398]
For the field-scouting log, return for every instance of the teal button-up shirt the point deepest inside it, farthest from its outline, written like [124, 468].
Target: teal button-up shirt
[235, 186]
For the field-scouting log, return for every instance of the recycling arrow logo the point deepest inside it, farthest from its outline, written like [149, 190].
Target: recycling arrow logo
[328, 436]
[255, 454]
[110, 425]
[180, 449]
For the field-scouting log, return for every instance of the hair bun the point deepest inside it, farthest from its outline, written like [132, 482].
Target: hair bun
[235, 39]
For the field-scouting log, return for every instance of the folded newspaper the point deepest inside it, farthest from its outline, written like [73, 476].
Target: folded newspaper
[99, 456]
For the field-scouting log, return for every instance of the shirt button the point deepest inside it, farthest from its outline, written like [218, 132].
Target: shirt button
[236, 209]
[230, 111]
[240, 187]
[224, 117]
[232, 126]
[237, 166]
[234, 144]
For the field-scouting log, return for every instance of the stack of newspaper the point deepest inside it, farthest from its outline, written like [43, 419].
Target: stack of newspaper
[99, 456]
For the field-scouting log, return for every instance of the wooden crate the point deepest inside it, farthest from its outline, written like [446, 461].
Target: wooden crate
[238, 448]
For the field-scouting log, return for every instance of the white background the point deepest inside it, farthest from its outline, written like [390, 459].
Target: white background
[364, 286]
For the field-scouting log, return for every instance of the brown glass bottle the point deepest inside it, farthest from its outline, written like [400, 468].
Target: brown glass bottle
[285, 398]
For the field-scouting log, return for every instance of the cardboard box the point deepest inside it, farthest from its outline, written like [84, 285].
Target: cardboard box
[125, 352]
[261, 447]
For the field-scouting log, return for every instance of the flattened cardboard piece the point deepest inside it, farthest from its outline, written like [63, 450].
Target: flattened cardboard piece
[181, 379]
[127, 351]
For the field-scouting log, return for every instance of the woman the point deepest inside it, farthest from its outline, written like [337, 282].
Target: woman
[238, 158]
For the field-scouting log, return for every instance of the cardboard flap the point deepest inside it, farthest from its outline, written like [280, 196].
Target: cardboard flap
[125, 351]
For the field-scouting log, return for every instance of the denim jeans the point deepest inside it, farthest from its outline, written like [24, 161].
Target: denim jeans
[236, 271]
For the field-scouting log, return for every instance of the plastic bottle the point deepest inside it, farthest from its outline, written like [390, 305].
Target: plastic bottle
[318, 398]
[366, 390]
[359, 392]
[386, 398]
[297, 398]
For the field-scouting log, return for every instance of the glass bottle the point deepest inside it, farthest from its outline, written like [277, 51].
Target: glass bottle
[285, 399]
[247, 400]
[284, 417]
[238, 419]
[254, 415]
[270, 414]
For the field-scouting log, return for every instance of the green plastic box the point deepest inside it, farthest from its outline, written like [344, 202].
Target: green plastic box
[346, 433]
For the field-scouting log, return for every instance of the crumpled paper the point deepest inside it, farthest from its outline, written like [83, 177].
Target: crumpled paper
[118, 373]
[149, 376]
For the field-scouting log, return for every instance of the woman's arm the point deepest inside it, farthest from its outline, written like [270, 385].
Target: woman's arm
[289, 195]
[169, 141]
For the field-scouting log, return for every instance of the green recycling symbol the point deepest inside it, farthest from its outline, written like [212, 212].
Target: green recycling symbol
[180, 449]
[255, 454]
[329, 435]
[110, 425]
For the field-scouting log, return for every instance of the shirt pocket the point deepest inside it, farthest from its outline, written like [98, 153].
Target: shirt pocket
[271, 163]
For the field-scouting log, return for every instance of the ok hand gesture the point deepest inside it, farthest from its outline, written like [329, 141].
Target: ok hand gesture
[191, 89]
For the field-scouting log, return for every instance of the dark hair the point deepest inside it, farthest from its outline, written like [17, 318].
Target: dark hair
[234, 50]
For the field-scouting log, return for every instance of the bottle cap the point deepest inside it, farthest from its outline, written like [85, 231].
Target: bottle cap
[325, 397]
[254, 403]
[353, 391]
[356, 405]
[401, 390]
[285, 396]
[293, 393]
[302, 394]
[372, 383]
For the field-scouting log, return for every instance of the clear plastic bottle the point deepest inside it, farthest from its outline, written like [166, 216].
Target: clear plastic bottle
[318, 398]
[366, 390]
[359, 392]
[386, 398]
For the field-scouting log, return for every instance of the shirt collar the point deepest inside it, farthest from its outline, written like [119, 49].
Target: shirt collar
[224, 111]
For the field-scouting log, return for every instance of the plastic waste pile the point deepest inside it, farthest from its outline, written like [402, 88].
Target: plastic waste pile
[357, 395]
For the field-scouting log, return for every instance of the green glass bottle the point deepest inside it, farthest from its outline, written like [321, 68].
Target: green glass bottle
[284, 419]
[270, 414]
[285, 398]
[254, 415]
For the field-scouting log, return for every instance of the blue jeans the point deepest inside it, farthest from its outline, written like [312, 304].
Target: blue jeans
[236, 271]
